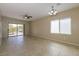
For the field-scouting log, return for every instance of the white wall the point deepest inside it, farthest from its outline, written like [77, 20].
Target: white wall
[41, 27]
[7, 20]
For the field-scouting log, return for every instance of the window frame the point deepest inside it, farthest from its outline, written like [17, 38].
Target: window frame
[69, 33]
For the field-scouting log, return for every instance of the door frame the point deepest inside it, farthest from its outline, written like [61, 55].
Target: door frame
[17, 29]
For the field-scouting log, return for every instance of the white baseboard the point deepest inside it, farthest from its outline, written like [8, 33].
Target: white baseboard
[70, 43]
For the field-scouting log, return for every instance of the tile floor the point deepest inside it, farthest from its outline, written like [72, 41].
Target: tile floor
[31, 46]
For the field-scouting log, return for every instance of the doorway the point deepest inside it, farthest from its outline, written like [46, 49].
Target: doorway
[15, 30]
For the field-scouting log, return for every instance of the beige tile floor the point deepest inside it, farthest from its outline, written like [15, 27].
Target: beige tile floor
[31, 46]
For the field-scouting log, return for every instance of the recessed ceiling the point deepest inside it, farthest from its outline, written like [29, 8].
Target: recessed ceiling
[36, 10]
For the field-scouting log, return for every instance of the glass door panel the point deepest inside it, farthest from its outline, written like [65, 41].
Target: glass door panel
[20, 29]
[15, 29]
[12, 29]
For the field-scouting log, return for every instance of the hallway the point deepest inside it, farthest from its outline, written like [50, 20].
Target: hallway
[32, 46]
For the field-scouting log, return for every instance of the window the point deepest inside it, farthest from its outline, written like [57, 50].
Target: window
[55, 26]
[62, 26]
[65, 26]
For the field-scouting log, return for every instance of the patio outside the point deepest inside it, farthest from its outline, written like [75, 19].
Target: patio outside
[15, 29]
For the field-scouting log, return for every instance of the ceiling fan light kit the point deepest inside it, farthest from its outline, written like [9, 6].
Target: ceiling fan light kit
[53, 11]
[27, 17]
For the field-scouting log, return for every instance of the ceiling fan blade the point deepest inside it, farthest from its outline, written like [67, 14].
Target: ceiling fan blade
[30, 16]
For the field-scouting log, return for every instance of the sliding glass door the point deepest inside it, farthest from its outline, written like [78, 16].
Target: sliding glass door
[15, 29]
[20, 29]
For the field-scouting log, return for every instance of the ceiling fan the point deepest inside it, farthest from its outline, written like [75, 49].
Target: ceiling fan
[53, 11]
[27, 17]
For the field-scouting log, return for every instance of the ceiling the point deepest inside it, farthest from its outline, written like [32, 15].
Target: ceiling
[36, 10]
